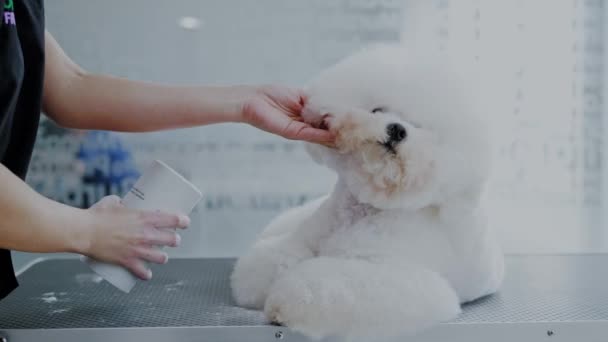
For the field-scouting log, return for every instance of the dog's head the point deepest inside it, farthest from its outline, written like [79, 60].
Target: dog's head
[408, 136]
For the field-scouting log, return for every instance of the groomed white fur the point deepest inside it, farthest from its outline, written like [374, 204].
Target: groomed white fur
[402, 240]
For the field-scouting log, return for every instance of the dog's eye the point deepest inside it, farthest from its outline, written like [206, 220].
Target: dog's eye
[378, 110]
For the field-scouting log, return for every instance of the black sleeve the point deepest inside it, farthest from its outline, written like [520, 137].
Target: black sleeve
[8, 281]
[7, 275]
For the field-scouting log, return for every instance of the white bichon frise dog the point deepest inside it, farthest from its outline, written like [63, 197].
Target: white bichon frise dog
[402, 240]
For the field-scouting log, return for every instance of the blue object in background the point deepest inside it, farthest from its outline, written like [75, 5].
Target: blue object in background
[107, 165]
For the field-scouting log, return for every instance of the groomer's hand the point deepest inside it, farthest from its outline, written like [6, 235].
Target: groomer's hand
[128, 237]
[277, 110]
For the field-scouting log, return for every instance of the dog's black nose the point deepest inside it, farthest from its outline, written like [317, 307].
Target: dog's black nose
[396, 132]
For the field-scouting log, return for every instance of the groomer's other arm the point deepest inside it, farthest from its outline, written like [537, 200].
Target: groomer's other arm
[75, 98]
[107, 231]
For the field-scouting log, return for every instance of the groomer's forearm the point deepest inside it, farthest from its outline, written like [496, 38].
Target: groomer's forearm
[111, 103]
[33, 223]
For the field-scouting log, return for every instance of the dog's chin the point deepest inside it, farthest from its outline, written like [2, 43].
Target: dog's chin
[377, 175]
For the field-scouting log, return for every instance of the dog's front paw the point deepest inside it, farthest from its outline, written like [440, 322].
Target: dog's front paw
[252, 277]
[327, 297]
[255, 272]
[303, 304]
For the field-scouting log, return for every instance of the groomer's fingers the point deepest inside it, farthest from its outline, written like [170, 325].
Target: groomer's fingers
[152, 254]
[161, 219]
[159, 237]
[138, 268]
[315, 135]
[299, 130]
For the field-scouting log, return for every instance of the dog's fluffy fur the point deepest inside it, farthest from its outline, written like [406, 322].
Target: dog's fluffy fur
[402, 240]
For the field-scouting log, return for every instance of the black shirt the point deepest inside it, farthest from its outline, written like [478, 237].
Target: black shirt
[21, 83]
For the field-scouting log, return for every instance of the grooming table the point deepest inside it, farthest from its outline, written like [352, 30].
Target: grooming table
[544, 298]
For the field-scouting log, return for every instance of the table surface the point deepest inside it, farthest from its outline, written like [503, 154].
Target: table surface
[195, 293]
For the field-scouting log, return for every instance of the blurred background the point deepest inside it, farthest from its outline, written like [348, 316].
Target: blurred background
[544, 61]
